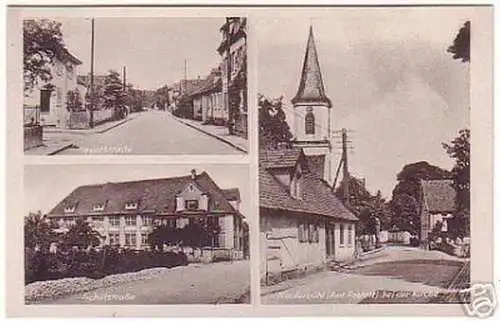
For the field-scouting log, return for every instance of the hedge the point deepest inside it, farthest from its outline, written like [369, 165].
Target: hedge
[40, 266]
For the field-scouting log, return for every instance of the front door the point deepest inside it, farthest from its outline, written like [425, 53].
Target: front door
[45, 100]
[330, 240]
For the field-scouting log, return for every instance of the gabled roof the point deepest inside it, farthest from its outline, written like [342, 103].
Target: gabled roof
[317, 197]
[311, 87]
[438, 195]
[66, 55]
[155, 195]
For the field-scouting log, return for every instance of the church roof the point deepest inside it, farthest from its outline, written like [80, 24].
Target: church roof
[311, 87]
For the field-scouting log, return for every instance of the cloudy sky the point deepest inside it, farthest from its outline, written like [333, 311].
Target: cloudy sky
[47, 185]
[388, 75]
[153, 49]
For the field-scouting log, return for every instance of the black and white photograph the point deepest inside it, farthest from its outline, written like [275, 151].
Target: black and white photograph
[364, 162]
[136, 234]
[135, 86]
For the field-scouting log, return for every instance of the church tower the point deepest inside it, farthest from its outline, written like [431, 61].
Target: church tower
[312, 115]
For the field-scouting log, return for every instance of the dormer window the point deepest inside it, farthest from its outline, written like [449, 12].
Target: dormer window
[98, 207]
[191, 204]
[131, 205]
[70, 208]
[296, 185]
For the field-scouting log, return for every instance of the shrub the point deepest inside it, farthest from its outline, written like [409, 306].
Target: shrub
[92, 264]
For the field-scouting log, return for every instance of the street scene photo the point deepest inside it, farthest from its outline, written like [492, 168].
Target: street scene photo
[136, 234]
[364, 148]
[150, 86]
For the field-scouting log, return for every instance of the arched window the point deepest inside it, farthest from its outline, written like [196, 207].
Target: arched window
[309, 123]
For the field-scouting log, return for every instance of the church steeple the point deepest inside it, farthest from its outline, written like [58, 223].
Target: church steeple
[311, 87]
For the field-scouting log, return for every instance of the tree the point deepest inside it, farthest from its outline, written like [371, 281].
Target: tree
[81, 235]
[74, 100]
[406, 194]
[461, 44]
[163, 235]
[459, 150]
[114, 95]
[365, 206]
[274, 131]
[38, 232]
[42, 43]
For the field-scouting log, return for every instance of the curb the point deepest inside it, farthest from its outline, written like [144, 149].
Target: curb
[283, 289]
[60, 149]
[85, 132]
[213, 135]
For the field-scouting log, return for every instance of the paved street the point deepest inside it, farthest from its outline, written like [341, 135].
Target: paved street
[152, 132]
[411, 273]
[223, 282]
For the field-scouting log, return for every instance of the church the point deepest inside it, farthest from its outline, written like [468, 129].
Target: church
[303, 225]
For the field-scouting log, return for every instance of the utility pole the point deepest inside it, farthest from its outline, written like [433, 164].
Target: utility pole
[345, 178]
[92, 98]
[124, 78]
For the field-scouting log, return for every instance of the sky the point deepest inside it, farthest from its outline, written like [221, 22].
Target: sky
[46, 185]
[389, 77]
[152, 49]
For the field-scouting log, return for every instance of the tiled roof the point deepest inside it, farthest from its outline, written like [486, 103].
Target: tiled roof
[209, 84]
[439, 195]
[317, 197]
[279, 158]
[232, 194]
[311, 87]
[155, 195]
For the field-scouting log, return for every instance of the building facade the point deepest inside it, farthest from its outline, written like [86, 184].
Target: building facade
[233, 50]
[303, 226]
[208, 103]
[51, 97]
[125, 213]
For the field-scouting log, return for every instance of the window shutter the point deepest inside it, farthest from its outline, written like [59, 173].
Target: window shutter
[300, 232]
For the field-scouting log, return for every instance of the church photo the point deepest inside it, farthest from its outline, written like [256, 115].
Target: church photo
[363, 119]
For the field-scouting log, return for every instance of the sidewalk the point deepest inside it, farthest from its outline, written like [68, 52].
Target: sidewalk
[218, 132]
[56, 140]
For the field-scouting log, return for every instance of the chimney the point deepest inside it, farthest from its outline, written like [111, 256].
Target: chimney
[193, 173]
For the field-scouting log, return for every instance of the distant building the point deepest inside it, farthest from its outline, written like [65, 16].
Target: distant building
[208, 101]
[125, 213]
[233, 50]
[50, 97]
[437, 205]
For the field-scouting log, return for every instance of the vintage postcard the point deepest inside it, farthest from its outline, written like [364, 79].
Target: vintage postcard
[250, 161]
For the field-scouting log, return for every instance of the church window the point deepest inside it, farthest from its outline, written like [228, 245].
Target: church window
[309, 123]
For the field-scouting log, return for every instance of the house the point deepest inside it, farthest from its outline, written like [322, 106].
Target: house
[125, 213]
[233, 50]
[182, 101]
[207, 100]
[51, 97]
[303, 225]
[437, 204]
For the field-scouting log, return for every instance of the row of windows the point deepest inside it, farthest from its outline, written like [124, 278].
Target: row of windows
[130, 239]
[308, 232]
